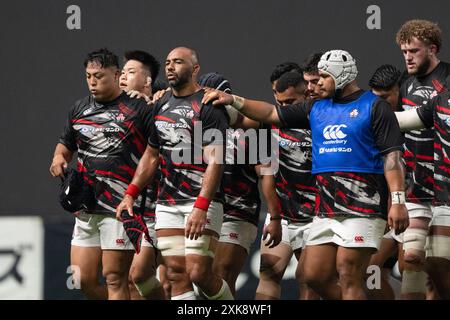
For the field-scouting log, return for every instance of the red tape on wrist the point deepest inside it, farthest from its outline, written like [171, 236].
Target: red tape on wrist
[133, 190]
[202, 203]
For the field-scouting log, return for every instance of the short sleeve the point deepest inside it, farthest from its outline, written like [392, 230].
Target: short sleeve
[68, 136]
[295, 116]
[385, 127]
[214, 124]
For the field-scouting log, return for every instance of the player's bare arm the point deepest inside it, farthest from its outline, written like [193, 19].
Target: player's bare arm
[61, 158]
[196, 221]
[144, 174]
[257, 110]
[394, 172]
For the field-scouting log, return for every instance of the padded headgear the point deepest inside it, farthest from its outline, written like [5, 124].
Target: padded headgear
[340, 65]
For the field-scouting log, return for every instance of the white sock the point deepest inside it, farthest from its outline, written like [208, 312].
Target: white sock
[190, 295]
[223, 294]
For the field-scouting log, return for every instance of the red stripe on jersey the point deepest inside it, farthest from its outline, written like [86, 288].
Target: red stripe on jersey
[438, 146]
[83, 121]
[429, 179]
[109, 173]
[443, 109]
[438, 86]
[410, 164]
[446, 160]
[423, 157]
[165, 172]
[243, 186]
[164, 119]
[80, 167]
[303, 187]
[124, 109]
[408, 153]
[445, 169]
[412, 197]
[186, 185]
[128, 170]
[438, 128]
[352, 176]
[359, 209]
[286, 136]
[195, 106]
[407, 101]
[169, 198]
[323, 181]
[341, 194]
[108, 195]
[188, 166]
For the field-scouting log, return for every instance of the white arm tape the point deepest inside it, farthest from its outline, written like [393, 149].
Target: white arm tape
[232, 113]
[398, 197]
[409, 120]
[238, 102]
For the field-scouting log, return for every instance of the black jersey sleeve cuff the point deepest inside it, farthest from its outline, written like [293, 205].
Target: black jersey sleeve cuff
[391, 149]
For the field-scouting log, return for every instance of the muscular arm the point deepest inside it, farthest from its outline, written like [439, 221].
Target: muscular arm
[256, 110]
[273, 206]
[196, 222]
[61, 157]
[260, 111]
[269, 193]
[146, 169]
[394, 172]
[214, 171]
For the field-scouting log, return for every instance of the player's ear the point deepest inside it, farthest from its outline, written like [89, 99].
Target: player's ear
[148, 82]
[196, 70]
[433, 48]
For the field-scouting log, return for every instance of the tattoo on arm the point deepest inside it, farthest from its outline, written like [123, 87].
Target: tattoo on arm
[393, 161]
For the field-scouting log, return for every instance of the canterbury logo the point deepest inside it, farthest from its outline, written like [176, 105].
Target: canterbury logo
[334, 132]
[359, 239]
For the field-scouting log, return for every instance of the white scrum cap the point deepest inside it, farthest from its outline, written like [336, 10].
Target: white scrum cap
[340, 65]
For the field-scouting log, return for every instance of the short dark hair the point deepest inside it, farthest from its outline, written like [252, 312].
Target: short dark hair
[385, 77]
[146, 59]
[310, 63]
[289, 79]
[282, 68]
[102, 56]
[215, 80]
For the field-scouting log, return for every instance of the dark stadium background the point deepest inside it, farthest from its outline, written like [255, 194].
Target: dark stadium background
[42, 75]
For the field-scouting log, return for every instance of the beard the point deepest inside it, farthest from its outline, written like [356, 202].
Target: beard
[180, 81]
[423, 68]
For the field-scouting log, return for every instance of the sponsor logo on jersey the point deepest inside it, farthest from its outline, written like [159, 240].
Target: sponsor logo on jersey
[359, 239]
[294, 144]
[99, 129]
[87, 111]
[354, 113]
[120, 117]
[334, 134]
[120, 242]
[164, 107]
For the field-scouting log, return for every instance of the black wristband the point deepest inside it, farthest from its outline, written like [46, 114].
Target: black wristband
[275, 218]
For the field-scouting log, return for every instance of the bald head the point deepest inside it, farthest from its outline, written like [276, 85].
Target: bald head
[182, 67]
[187, 53]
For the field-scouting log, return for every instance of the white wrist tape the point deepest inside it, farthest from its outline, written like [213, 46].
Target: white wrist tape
[398, 197]
[238, 102]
